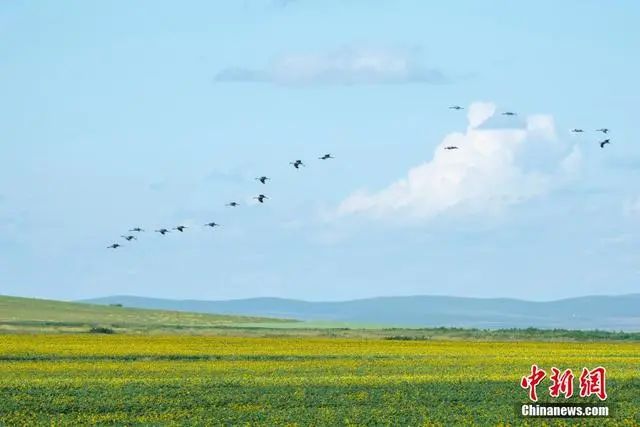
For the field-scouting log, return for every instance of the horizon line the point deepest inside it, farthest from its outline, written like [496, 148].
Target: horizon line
[354, 299]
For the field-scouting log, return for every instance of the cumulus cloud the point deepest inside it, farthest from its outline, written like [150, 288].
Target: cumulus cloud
[500, 161]
[347, 66]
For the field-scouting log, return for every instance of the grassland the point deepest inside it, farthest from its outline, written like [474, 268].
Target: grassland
[176, 368]
[20, 315]
[27, 315]
[77, 379]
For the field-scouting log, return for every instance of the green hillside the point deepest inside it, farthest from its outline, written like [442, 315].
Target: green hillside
[37, 315]
[612, 313]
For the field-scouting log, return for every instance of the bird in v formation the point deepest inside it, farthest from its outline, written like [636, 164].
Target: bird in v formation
[181, 228]
[299, 163]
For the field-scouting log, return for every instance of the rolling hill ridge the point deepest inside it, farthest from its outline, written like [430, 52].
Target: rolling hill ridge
[38, 315]
[589, 312]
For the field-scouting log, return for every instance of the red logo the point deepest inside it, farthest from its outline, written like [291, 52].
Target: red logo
[591, 382]
[561, 383]
[532, 381]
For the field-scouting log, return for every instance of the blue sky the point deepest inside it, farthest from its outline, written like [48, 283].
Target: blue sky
[120, 114]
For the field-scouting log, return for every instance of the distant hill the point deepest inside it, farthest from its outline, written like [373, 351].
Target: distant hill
[589, 312]
[38, 315]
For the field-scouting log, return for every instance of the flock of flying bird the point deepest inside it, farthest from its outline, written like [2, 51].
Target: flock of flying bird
[602, 143]
[180, 228]
[297, 164]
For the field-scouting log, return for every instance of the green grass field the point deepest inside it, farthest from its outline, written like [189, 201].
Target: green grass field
[28, 315]
[19, 315]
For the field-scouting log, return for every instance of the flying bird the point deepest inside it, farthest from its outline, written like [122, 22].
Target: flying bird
[263, 179]
[326, 156]
[137, 229]
[162, 231]
[129, 238]
[509, 113]
[260, 198]
[297, 164]
[605, 142]
[180, 228]
[212, 224]
[451, 147]
[577, 130]
[114, 246]
[603, 130]
[233, 204]
[456, 107]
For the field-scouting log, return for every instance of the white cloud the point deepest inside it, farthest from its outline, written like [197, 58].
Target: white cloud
[347, 66]
[571, 164]
[480, 112]
[499, 162]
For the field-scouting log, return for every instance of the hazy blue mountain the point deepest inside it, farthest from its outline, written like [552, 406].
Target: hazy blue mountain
[589, 312]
